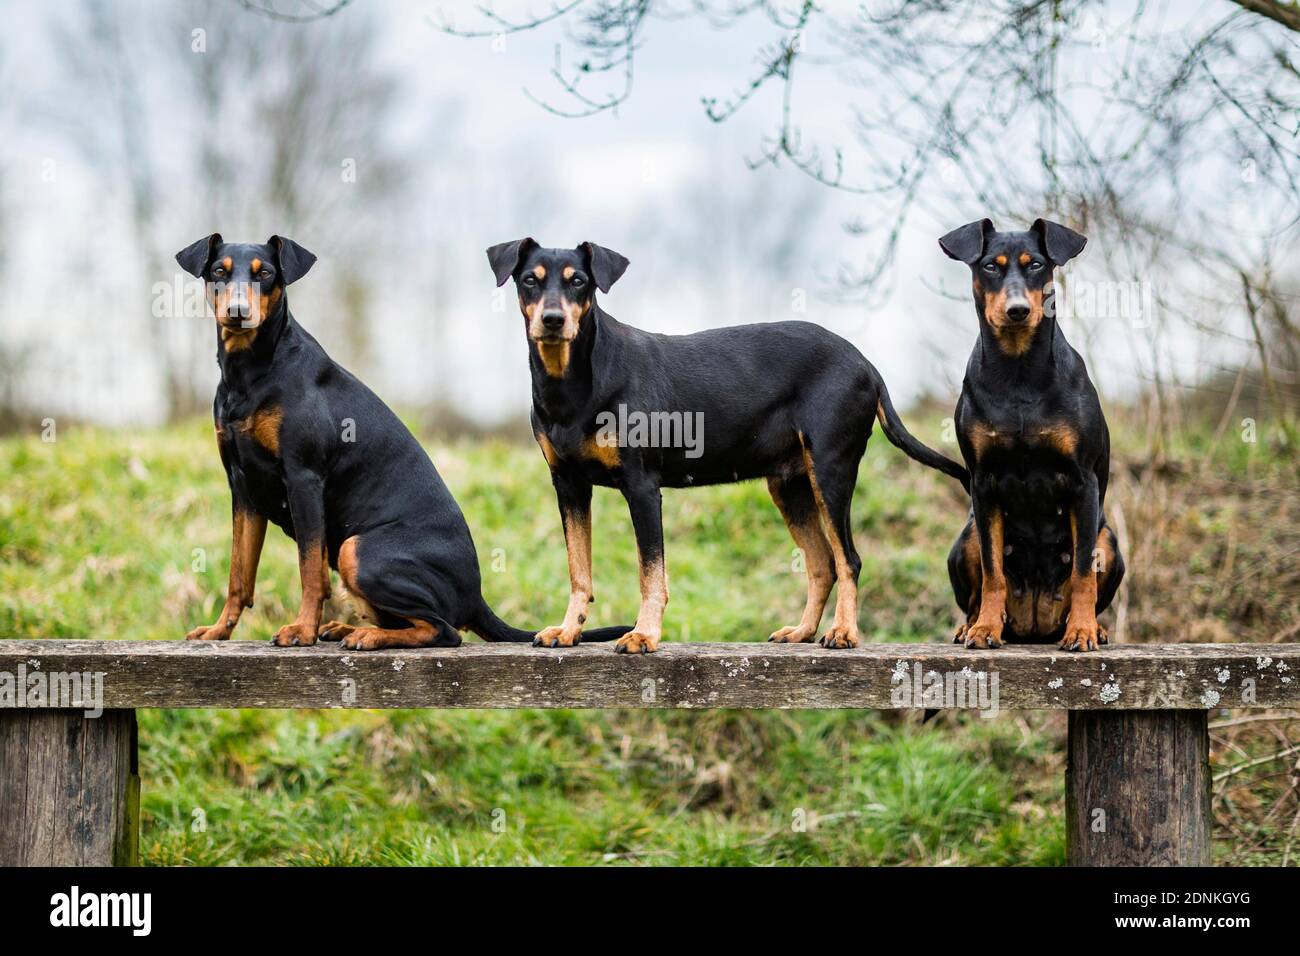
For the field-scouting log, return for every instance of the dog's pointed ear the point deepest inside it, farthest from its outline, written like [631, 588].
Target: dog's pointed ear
[294, 261]
[1061, 242]
[506, 257]
[966, 244]
[196, 257]
[606, 265]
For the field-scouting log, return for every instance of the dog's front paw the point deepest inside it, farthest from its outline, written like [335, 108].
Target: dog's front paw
[1084, 636]
[557, 636]
[798, 634]
[216, 632]
[840, 636]
[634, 642]
[959, 635]
[295, 635]
[980, 637]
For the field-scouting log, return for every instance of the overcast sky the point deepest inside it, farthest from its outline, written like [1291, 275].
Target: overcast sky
[711, 241]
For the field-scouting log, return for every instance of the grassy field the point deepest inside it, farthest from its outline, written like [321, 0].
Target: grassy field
[125, 535]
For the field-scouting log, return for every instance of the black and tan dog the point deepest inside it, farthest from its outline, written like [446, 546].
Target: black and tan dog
[1036, 561]
[309, 447]
[785, 401]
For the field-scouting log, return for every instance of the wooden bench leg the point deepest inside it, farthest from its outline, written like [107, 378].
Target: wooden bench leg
[69, 788]
[1137, 788]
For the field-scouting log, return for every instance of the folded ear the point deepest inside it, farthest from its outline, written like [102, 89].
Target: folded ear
[295, 261]
[1061, 242]
[505, 257]
[606, 265]
[966, 244]
[195, 257]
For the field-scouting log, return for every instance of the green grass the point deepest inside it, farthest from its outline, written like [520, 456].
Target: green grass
[126, 534]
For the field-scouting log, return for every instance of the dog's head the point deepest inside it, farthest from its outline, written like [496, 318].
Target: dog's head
[556, 286]
[1012, 273]
[244, 281]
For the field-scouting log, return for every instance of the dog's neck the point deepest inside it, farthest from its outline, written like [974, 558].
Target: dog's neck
[558, 398]
[243, 362]
[1034, 364]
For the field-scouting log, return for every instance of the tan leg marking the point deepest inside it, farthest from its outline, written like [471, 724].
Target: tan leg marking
[577, 539]
[1081, 631]
[313, 571]
[419, 634]
[645, 636]
[818, 560]
[248, 532]
[987, 630]
[844, 626]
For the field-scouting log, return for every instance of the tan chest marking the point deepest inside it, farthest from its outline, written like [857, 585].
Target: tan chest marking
[554, 356]
[606, 455]
[264, 426]
[1060, 437]
[548, 450]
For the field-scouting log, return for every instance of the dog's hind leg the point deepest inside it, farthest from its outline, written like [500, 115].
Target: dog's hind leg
[966, 576]
[428, 630]
[832, 474]
[1110, 572]
[794, 498]
[419, 634]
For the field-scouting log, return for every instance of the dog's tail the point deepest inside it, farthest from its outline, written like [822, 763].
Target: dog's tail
[491, 628]
[903, 440]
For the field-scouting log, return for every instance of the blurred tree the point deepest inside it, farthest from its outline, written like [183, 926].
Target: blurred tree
[103, 59]
[300, 145]
[277, 130]
[1161, 132]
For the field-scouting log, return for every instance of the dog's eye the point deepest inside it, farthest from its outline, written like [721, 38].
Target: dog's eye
[218, 273]
[529, 281]
[1035, 266]
[578, 282]
[990, 266]
[264, 274]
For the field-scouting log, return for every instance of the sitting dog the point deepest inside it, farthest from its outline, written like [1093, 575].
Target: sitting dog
[307, 446]
[786, 401]
[1036, 558]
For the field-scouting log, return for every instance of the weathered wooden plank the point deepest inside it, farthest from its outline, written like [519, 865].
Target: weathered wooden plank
[743, 675]
[1137, 788]
[69, 787]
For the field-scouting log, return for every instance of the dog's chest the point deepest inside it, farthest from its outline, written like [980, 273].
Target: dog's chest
[1008, 437]
[1027, 462]
[596, 452]
[250, 448]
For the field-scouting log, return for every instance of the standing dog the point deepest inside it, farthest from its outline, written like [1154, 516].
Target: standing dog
[1036, 557]
[785, 401]
[309, 447]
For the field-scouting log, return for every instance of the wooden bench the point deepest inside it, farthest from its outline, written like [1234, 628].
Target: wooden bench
[1137, 776]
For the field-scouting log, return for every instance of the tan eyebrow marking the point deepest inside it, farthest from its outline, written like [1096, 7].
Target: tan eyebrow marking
[228, 263]
[1001, 260]
[256, 265]
[539, 271]
[1024, 258]
[568, 272]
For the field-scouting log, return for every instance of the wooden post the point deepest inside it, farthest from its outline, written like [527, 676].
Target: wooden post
[69, 788]
[1137, 788]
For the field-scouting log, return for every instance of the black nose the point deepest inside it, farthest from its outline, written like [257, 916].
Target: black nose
[551, 321]
[1017, 313]
[239, 309]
